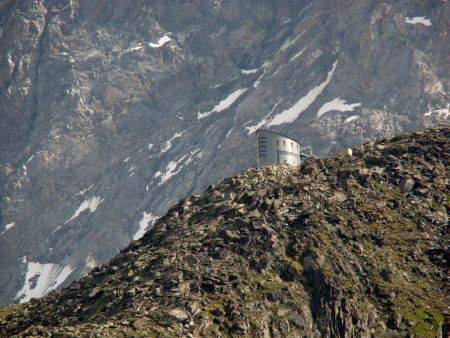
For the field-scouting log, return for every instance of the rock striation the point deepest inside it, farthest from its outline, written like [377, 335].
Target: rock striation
[345, 246]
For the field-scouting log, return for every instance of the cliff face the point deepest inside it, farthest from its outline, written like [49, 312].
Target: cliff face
[343, 246]
[111, 111]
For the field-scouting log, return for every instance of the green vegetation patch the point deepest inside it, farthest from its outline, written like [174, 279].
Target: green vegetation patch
[9, 310]
[368, 247]
[426, 322]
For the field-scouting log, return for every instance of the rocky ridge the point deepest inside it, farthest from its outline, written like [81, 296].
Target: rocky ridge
[113, 110]
[342, 246]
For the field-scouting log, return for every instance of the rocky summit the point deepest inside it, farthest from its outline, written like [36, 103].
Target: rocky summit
[111, 111]
[344, 246]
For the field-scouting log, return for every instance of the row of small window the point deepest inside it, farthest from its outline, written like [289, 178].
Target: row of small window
[264, 141]
[282, 152]
[284, 143]
[262, 151]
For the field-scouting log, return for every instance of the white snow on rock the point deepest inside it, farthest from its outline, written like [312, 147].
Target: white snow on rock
[229, 132]
[147, 221]
[224, 104]
[195, 154]
[266, 65]
[91, 204]
[289, 43]
[138, 46]
[250, 130]
[60, 276]
[351, 118]
[291, 114]
[41, 279]
[337, 104]
[171, 170]
[174, 167]
[161, 42]
[135, 48]
[7, 227]
[150, 146]
[297, 55]
[82, 192]
[418, 20]
[168, 144]
[249, 71]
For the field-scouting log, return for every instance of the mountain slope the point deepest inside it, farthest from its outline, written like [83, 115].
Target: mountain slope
[343, 246]
[111, 111]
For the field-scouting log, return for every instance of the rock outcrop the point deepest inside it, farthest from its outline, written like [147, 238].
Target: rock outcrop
[113, 110]
[350, 246]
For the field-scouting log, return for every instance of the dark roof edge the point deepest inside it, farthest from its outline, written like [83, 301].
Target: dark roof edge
[277, 134]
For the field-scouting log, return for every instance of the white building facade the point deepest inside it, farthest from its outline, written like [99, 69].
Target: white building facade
[275, 148]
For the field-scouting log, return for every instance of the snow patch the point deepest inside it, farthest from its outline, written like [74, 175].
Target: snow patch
[61, 276]
[250, 130]
[168, 144]
[229, 132]
[171, 170]
[249, 71]
[41, 279]
[418, 20]
[140, 46]
[161, 42]
[148, 219]
[150, 146]
[82, 192]
[351, 118]
[224, 104]
[289, 43]
[7, 227]
[265, 66]
[337, 104]
[91, 204]
[291, 114]
[195, 154]
[135, 48]
[297, 55]
[174, 167]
